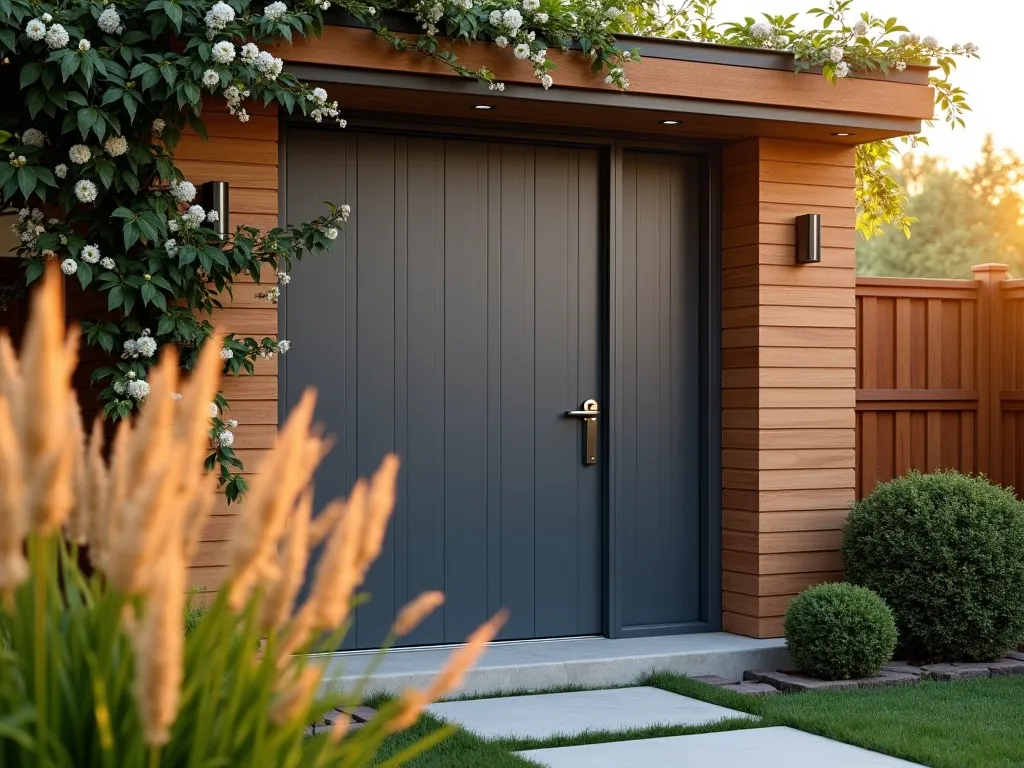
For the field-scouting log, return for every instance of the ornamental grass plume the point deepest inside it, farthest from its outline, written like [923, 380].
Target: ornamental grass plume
[95, 664]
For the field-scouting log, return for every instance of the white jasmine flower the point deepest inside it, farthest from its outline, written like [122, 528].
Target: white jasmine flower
[158, 127]
[130, 349]
[531, 5]
[283, 277]
[761, 30]
[172, 225]
[214, 411]
[69, 266]
[47, 18]
[219, 16]
[835, 54]
[226, 354]
[115, 146]
[332, 233]
[183, 191]
[860, 27]
[109, 21]
[85, 191]
[171, 246]
[970, 49]
[501, 41]
[57, 37]
[930, 41]
[842, 69]
[146, 345]
[33, 137]
[496, 86]
[223, 52]
[226, 438]
[211, 79]
[269, 65]
[494, 18]
[546, 81]
[371, 10]
[540, 56]
[35, 30]
[232, 423]
[319, 95]
[79, 154]
[512, 19]
[249, 52]
[327, 4]
[119, 387]
[194, 216]
[542, 17]
[612, 12]
[107, 263]
[521, 51]
[212, 216]
[138, 388]
[84, 45]
[283, 346]
[275, 10]
[91, 254]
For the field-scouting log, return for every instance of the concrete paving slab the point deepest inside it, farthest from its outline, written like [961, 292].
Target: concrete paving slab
[764, 747]
[544, 715]
[589, 662]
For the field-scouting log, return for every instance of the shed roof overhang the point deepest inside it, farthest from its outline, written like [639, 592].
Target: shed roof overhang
[712, 91]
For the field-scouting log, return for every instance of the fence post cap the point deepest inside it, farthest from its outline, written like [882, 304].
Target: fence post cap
[981, 268]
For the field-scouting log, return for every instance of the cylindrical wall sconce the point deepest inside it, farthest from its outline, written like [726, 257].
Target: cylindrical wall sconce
[808, 238]
[215, 198]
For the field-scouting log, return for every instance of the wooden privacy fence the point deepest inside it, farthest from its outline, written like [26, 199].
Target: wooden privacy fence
[940, 377]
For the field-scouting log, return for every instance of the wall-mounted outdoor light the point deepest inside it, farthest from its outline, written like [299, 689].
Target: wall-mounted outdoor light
[215, 198]
[808, 238]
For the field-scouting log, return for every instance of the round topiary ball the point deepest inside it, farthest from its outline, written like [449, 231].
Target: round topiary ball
[946, 553]
[839, 632]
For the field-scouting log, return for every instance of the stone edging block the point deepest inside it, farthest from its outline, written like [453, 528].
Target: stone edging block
[894, 673]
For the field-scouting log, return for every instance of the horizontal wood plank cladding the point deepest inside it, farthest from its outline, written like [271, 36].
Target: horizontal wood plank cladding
[782, 439]
[789, 376]
[246, 156]
[775, 584]
[763, 543]
[784, 254]
[752, 626]
[363, 49]
[771, 522]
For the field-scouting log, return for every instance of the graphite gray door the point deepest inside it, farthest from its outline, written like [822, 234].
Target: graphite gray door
[661, 555]
[455, 322]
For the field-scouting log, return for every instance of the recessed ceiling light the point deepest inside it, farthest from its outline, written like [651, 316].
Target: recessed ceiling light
[844, 134]
[483, 106]
[670, 122]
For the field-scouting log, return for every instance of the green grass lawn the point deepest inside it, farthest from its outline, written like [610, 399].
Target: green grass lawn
[970, 724]
[973, 724]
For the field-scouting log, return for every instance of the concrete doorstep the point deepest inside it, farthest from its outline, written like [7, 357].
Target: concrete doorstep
[545, 664]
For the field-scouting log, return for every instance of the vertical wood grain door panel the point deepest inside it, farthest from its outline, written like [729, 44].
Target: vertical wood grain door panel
[455, 321]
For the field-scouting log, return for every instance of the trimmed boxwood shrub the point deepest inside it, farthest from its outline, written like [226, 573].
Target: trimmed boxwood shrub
[946, 552]
[839, 632]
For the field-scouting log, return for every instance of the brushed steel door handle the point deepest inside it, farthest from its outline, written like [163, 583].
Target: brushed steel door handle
[589, 413]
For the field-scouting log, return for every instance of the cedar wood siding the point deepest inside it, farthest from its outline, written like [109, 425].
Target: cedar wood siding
[246, 156]
[788, 378]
